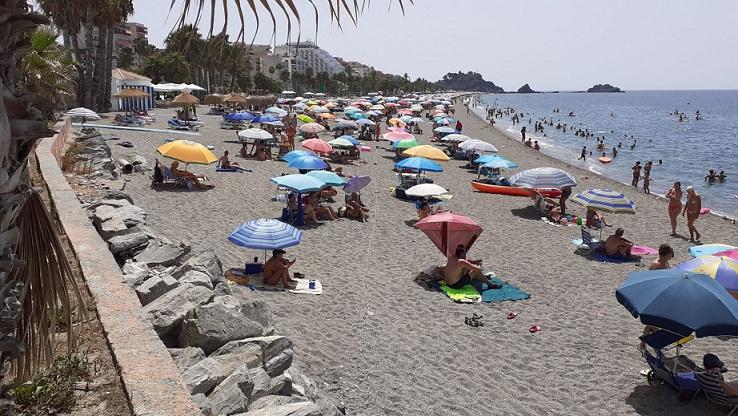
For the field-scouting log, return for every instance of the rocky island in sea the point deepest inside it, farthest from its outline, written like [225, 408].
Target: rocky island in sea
[526, 89]
[604, 88]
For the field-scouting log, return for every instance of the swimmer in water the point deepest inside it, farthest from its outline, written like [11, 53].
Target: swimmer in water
[711, 177]
[721, 176]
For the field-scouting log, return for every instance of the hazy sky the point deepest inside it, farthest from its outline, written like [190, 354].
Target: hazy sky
[551, 44]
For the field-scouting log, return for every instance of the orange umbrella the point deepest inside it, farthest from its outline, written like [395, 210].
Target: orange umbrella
[327, 115]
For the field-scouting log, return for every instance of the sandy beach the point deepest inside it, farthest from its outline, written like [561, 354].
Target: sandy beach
[385, 345]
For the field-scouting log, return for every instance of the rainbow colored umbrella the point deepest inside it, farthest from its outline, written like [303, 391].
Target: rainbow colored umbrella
[722, 269]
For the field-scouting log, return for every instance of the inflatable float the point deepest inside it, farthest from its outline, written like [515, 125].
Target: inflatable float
[513, 190]
[604, 159]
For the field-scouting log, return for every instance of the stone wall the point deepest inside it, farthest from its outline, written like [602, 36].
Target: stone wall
[59, 140]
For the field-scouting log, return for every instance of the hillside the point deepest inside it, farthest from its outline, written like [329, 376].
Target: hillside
[470, 81]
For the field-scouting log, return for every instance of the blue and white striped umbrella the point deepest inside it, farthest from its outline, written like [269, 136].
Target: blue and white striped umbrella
[265, 234]
[605, 200]
[543, 178]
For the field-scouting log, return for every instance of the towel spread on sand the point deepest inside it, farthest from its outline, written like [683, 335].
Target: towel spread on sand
[600, 256]
[643, 251]
[467, 294]
[256, 282]
[506, 292]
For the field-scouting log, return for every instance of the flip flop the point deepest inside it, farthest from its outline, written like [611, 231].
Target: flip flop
[533, 329]
[512, 315]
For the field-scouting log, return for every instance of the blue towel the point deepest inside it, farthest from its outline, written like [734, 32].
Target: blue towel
[600, 256]
[506, 292]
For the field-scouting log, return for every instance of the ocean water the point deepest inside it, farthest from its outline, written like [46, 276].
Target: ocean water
[688, 149]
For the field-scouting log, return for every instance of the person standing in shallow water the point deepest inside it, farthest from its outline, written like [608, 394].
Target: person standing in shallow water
[675, 204]
[583, 156]
[522, 131]
[636, 174]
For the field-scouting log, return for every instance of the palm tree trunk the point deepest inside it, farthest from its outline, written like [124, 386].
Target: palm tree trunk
[89, 66]
[98, 77]
[107, 76]
[81, 87]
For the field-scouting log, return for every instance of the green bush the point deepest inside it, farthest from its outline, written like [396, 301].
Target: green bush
[51, 391]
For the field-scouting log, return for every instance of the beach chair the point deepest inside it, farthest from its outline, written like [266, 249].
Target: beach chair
[589, 244]
[715, 393]
[170, 179]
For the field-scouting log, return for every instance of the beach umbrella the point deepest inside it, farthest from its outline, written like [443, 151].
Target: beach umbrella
[311, 128]
[416, 120]
[455, 137]
[426, 151]
[419, 164]
[327, 116]
[299, 183]
[305, 118]
[442, 122]
[265, 234]
[187, 151]
[448, 230]
[406, 119]
[487, 158]
[404, 144]
[83, 113]
[341, 142]
[319, 110]
[347, 124]
[295, 153]
[500, 163]
[733, 254]
[358, 116]
[185, 98]
[679, 301]
[265, 118]
[373, 113]
[364, 121]
[448, 130]
[351, 110]
[696, 251]
[276, 123]
[352, 139]
[394, 136]
[405, 111]
[377, 107]
[425, 190]
[396, 122]
[605, 200]
[307, 162]
[543, 178]
[356, 183]
[477, 146]
[255, 134]
[212, 99]
[330, 178]
[239, 116]
[722, 269]
[317, 146]
[234, 98]
[279, 112]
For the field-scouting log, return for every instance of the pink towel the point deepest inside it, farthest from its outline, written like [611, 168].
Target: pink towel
[643, 251]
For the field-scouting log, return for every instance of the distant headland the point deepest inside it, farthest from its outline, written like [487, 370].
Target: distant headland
[470, 81]
[604, 88]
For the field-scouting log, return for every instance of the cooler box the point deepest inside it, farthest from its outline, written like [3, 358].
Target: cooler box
[253, 268]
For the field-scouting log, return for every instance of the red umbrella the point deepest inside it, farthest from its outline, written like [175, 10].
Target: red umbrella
[317, 146]
[447, 230]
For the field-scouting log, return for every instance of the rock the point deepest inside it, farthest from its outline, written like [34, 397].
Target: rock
[275, 352]
[236, 353]
[118, 195]
[206, 261]
[111, 228]
[120, 209]
[263, 384]
[604, 88]
[139, 163]
[131, 214]
[259, 311]
[203, 403]
[154, 287]
[328, 406]
[116, 202]
[232, 395]
[213, 325]
[293, 409]
[203, 376]
[222, 289]
[197, 278]
[272, 401]
[134, 273]
[188, 357]
[525, 89]
[170, 309]
[162, 253]
[128, 241]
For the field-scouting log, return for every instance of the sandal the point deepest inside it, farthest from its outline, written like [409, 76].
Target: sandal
[298, 275]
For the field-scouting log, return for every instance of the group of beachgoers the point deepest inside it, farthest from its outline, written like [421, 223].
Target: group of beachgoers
[315, 206]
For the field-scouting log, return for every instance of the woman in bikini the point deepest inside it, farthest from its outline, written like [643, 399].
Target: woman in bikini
[692, 209]
[675, 204]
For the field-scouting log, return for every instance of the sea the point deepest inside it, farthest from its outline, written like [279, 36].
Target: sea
[681, 150]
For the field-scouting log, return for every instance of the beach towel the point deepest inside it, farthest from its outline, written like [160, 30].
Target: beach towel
[256, 282]
[643, 251]
[234, 169]
[600, 256]
[467, 294]
[506, 292]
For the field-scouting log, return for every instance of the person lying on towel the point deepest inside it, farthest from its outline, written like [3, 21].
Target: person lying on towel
[460, 272]
[277, 269]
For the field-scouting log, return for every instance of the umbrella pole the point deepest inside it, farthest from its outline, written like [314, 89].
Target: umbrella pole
[299, 220]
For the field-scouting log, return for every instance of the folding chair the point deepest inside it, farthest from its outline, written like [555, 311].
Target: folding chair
[714, 392]
[588, 244]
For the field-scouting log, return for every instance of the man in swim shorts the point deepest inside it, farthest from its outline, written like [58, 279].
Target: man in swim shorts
[460, 272]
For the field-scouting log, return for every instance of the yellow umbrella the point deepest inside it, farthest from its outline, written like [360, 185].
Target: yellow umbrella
[396, 122]
[428, 152]
[188, 152]
[326, 115]
[305, 118]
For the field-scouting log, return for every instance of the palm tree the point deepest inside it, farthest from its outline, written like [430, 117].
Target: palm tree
[27, 235]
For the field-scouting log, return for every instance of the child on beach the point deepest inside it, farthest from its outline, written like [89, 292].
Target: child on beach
[666, 253]
[647, 182]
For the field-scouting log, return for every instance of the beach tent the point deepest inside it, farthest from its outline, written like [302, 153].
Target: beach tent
[448, 230]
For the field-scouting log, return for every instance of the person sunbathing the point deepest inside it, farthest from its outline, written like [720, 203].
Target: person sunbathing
[617, 246]
[195, 179]
[424, 210]
[595, 220]
[225, 163]
[712, 375]
[244, 152]
[318, 210]
[460, 272]
[276, 269]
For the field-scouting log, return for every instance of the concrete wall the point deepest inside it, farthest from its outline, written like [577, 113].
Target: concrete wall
[149, 376]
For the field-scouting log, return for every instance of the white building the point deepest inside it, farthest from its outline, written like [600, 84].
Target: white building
[308, 55]
[123, 79]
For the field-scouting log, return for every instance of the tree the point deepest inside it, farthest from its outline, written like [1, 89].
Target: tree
[125, 58]
[263, 82]
[167, 66]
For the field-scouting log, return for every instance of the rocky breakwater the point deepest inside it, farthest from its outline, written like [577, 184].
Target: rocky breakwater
[226, 348]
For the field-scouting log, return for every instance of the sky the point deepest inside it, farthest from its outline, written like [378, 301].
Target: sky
[549, 44]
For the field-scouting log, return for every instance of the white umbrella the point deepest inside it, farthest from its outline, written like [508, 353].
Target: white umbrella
[84, 113]
[477, 145]
[340, 142]
[276, 111]
[255, 134]
[426, 190]
[365, 121]
[455, 138]
[379, 107]
[347, 124]
[320, 110]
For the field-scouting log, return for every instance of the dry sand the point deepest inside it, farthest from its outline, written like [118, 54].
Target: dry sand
[383, 344]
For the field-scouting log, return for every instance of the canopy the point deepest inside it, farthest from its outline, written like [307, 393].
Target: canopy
[680, 302]
[420, 164]
[255, 134]
[307, 162]
[543, 178]
[722, 269]
[299, 183]
[448, 230]
[329, 178]
[185, 98]
[265, 234]
[317, 145]
[426, 151]
[356, 183]
[426, 190]
[188, 152]
[605, 200]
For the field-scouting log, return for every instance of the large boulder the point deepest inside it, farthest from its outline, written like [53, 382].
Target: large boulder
[128, 241]
[232, 395]
[134, 274]
[187, 357]
[115, 194]
[197, 279]
[213, 325]
[203, 403]
[259, 311]
[161, 252]
[272, 401]
[169, 310]
[203, 376]
[237, 353]
[131, 215]
[154, 287]
[305, 387]
[275, 352]
[293, 409]
[206, 262]
[265, 385]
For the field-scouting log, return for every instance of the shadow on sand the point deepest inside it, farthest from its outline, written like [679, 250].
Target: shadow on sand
[528, 213]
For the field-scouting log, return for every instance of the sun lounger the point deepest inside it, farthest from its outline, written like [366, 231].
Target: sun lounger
[588, 243]
[170, 179]
[176, 124]
[715, 393]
